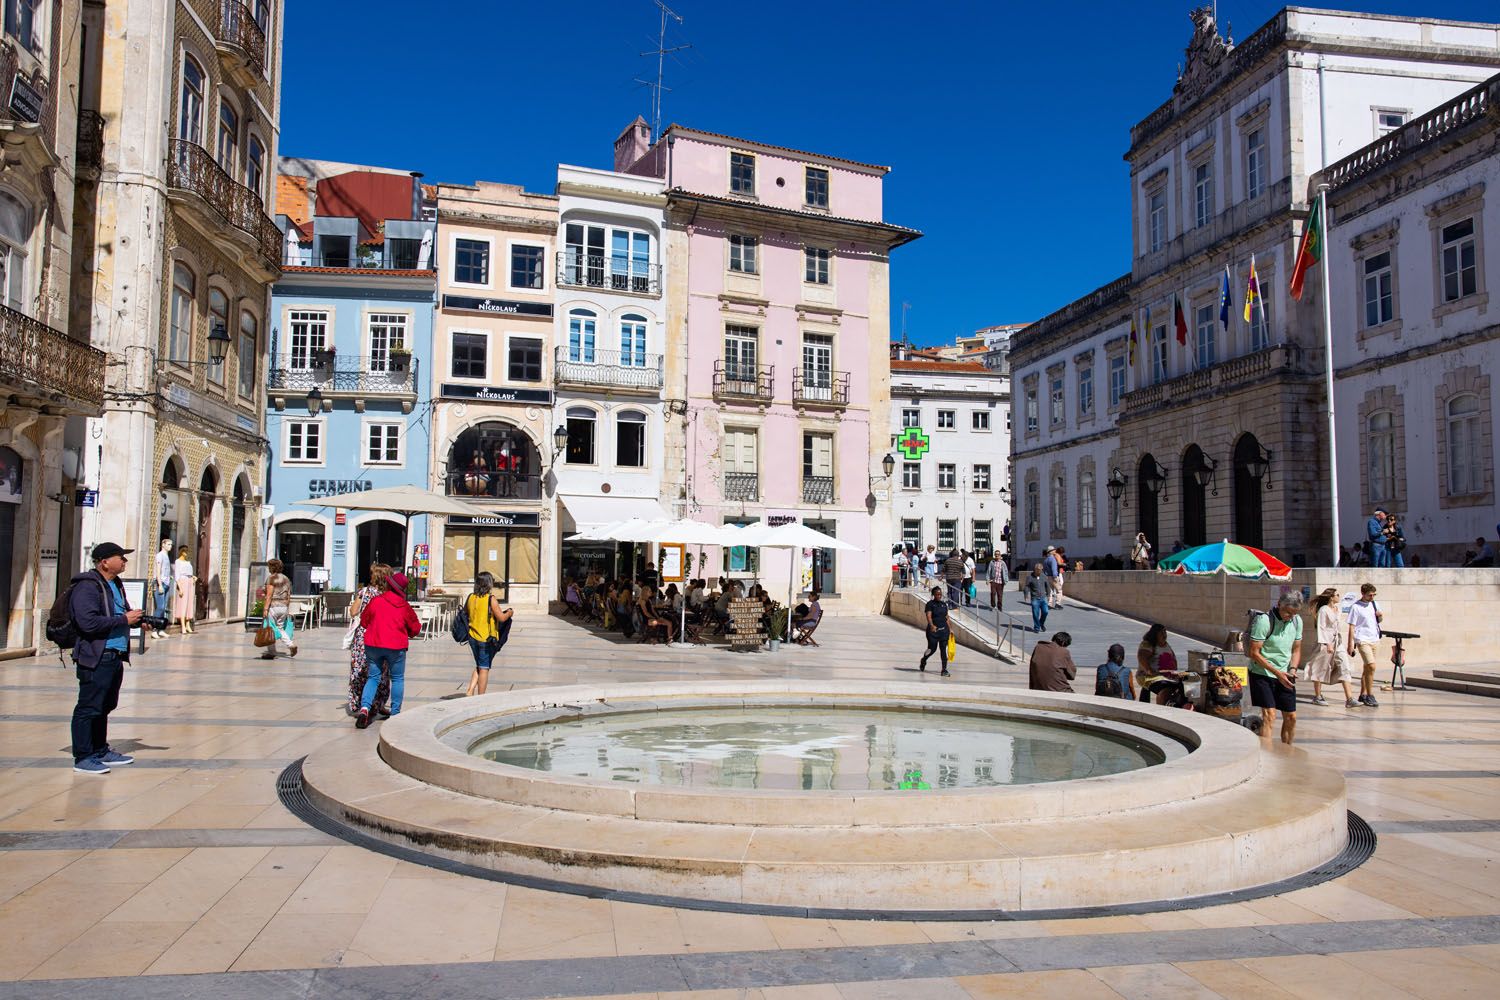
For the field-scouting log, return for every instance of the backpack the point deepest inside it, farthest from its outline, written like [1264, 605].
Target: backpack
[1249, 624]
[460, 628]
[61, 628]
[1108, 686]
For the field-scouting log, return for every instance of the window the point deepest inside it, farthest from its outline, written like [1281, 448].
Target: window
[15, 236]
[1033, 509]
[470, 355]
[741, 466]
[333, 251]
[387, 332]
[581, 336]
[630, 439]
[229, 137]
[1158, 222]
[629, 260]
[633, 340]
[911, 417]
[218, 319]
[1159, 367]
[255, 168]
[739, 353]
[1055, 401]
[947, 476]
[911, 475]
[1086, 390]
[817, 464]
[1379, 304]
[741, 173]
[911, 533]
[984, 536]
[1086, 500]
[403, 253]
[1031, 409]
[816, 271]
[1255, 163]
[817, 187]
[304, 442]
[817, 366]
[580, 446]
[1205, 346]
[1059, 503]
[1381, 447]
[525, 359]
[980, 420]
[309, 337]
[471, 261]
[1203, 193]
[947, 420]
[25, 21]
[742, 254]
[1388, 121]
[249, 353]
[947, 535]
[526, 267]
[1465, 445]
[190, 117]
[1116, 380]
[981, 477]
[180, 332]
[383, 444]
[1459, 275]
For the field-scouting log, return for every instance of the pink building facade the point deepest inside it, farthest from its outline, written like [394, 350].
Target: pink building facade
[777, 362]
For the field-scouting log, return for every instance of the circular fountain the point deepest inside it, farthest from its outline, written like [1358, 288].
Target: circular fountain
[839, 796]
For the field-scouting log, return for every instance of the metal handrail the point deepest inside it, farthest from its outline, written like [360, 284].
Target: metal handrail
[618, 274]
[353, 262]
[191, 168]
[238, 28]
[33, 352]
[817, 489]
[611, 368]
[501, 485]
[744, 381]
[343, 373]
[820, 385]
[90, 152]
[741, 486]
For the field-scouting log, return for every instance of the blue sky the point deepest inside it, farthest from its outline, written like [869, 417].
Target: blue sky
[1004, 124]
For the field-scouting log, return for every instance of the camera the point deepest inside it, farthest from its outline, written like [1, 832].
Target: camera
[156, 623]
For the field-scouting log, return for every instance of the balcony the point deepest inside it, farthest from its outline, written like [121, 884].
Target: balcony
[90, 154]
[614, 274]
[343, 377]
[243, 41]
[744, 383]
[744, 486]
[36, 360]
[201, 185]
[501, 485]
[817, 489]
[1224, 377]
[820, 387]
[611, 370]
[379, 261]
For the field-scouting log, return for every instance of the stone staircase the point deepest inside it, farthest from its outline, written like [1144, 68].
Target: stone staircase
[1460, 681]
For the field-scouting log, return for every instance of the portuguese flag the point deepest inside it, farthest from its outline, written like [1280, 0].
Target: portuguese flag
[1311, 250]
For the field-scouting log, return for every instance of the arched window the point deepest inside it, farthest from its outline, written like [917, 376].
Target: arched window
[15, 242]
[218, 318]
[494, 459]
[229, 136]
[248, 352]
[580, 448]
[581, 331]
[255, 168]
[630, 439]
[1465, 458]
[1086, 500]
[180, 333]
[190, 116]
[1381, 438]
[633, 340]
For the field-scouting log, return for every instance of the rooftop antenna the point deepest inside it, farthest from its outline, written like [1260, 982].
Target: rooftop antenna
[660, 52]
[905, 306]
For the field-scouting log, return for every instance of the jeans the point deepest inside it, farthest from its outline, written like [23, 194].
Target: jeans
[1395, 560]
[159, 595]
[98, 694]
[1380, 554]
[1038, 613]
[955, 588]
[483, 654]
[392, 660]
[937, 642]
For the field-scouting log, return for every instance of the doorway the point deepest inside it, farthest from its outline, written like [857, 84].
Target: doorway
[299, 546]
[1194, 498]
[236, 544]
[203, 560]
[10, 500]
[823, 564]
[1248, 529]
[378, 541]
[1145, 505]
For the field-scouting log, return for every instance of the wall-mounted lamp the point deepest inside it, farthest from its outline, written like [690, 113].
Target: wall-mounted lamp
[1204, 474]
[559, 440]
[1116, 484]
[1155, 479]
[314, 401]
[1259, 467]
[888, 464]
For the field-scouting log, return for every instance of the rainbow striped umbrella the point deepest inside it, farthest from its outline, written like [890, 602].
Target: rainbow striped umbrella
[1225, 557]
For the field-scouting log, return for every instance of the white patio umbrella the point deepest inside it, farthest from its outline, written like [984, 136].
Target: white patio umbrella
[407, 501]
[699, 533]
[789, 536]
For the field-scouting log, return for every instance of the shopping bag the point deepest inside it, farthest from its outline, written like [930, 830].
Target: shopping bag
[952, 648]
[265, 636]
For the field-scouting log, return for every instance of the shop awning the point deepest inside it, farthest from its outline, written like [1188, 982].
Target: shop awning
[591, 512]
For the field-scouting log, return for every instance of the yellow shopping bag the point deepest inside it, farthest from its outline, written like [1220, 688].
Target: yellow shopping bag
[952, 647]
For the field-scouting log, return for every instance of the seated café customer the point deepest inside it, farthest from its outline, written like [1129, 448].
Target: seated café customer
[1112, 679]
[1052, 665]
[809, 613]
[649, 617]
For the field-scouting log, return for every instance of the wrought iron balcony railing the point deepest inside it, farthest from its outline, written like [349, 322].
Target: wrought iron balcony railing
[750, 382]
[90, 153]
[614, 369]
[240, 32]
[379, 262]
[32, 354]
[820, 386]
[616, 274]
[191, 168]
[308, 370]
[502, 485]
[741, 486]
[817, 489]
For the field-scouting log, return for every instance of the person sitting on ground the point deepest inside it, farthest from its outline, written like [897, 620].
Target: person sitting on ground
[1149, 667]
[1052, 665]
[1112, 679]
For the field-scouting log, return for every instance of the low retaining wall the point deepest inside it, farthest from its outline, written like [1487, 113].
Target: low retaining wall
[1454, 610]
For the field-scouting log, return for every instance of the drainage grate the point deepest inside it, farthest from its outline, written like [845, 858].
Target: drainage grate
[292, 794]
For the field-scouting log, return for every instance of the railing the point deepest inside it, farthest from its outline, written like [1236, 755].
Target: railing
[609, 368]
[341, 373]
[1238, 371]
[817, 489]
[1469, 106]
[238, 29]
[819, 385]
[755, 382]
[741, 486]
[31, 352]
[90, 152]
[618, 274]
[191, 168]
[382, 262]
[500, 485]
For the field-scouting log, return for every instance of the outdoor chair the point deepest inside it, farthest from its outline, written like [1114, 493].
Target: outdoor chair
[427, 616]
[336, 606]
[802, 634]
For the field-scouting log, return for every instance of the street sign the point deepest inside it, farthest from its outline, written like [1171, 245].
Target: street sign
[85, 498]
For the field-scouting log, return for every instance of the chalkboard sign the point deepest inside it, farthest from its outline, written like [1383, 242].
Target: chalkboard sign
[745, 616]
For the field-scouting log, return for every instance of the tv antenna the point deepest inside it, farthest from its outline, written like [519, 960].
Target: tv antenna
[660, 52]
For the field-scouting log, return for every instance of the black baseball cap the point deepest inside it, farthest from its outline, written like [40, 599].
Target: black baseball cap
[106, 549]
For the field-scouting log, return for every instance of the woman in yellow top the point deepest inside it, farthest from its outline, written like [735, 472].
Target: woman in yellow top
[485, 615]
[1148, 659]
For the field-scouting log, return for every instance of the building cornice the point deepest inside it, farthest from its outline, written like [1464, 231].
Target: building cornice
[831, 227]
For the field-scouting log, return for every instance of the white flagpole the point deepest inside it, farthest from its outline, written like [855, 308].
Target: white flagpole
[1333, 448]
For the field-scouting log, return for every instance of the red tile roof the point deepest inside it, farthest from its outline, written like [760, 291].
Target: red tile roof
[957, 367]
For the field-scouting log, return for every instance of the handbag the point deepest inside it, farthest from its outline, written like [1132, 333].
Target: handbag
[265, 636]
[348, 639]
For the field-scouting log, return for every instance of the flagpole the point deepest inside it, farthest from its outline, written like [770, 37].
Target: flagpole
[1333, 448]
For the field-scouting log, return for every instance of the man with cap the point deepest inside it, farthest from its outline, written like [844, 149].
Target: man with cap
[1050, 568]
[104, 618]
[1380, 556]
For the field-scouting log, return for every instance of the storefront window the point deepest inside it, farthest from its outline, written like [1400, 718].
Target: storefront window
[496, 460]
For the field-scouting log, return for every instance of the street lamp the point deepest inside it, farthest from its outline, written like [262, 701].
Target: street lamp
[218, 344]
[1155, 479]
[559, 439]
[314, 401]
[1259, 467]
[1204, 474]
[888, 464]
[1116, 486]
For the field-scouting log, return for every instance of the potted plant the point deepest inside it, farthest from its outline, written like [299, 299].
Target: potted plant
[778, 627]
[256, 618]
[399, 359]
[322, 358]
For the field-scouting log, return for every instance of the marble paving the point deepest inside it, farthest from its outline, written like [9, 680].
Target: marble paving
[182, 875]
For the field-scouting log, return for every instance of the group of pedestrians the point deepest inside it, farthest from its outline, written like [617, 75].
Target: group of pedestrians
[958, 571]
[174, 585]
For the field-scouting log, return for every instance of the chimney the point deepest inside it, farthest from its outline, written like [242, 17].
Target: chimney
[632, 144]
[416, 194]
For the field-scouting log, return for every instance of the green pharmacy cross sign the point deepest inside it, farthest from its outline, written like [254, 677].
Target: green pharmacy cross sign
[913, 443]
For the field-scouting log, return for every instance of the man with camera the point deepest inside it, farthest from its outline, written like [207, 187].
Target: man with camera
[97, 608]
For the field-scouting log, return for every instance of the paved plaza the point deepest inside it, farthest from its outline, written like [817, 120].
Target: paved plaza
[182, 875]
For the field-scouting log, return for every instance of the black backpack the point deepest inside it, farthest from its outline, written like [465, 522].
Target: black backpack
[61, 628]
[1108, 686]
[460, 629]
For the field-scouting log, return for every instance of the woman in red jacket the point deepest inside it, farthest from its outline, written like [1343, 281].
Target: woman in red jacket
[389, 625]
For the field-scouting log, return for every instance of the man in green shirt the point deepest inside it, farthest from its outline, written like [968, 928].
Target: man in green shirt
[1275, 654]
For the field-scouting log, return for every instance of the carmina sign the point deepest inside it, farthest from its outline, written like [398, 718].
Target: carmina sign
[502, 307]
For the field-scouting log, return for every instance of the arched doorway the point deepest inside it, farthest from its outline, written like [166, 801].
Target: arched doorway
[299, 546]
[236, 544]
[1194, 497]
[1145, 504]
[205, 560]
[11, 480]
[169, 525]
[1248, 471]
[495, 460]
[378, 540]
